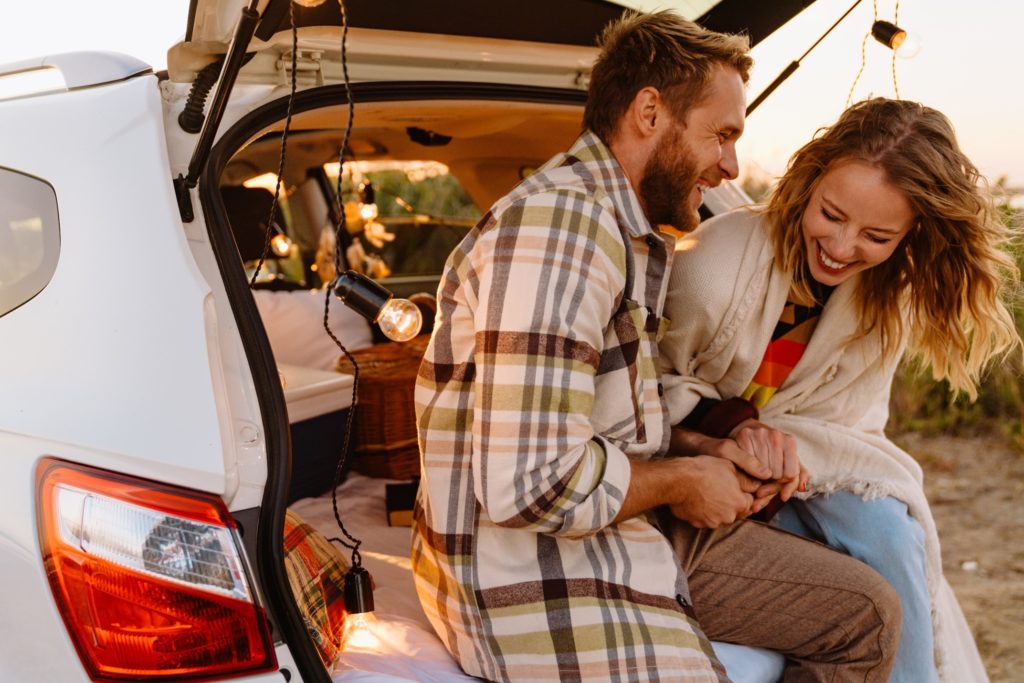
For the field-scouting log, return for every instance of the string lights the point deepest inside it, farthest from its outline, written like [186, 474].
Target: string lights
[398, 319]
[888, 33]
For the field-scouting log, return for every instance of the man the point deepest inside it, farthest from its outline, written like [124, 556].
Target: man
[535, 552]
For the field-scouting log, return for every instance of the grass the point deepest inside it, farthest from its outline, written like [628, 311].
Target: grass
[920, 404]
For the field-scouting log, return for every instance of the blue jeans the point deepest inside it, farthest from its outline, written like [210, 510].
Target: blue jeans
[884, 536]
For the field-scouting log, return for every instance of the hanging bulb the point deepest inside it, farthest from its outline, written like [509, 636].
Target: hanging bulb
[399, 319]
[359, 634]
[368, 211]
[309, 3]
[904, 44]
[367, 201]
[281, 245]
[909, 47]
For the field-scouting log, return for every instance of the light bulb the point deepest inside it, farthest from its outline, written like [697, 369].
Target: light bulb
[281, 245]
[309, 3]
[908, 46]
[368, 211]
[400, 320]
[897, 39]
[360, 633]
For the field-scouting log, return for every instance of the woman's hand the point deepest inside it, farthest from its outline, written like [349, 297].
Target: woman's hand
[776, 452]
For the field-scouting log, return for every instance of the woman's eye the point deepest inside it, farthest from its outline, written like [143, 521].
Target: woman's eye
[879, 240]
[829, 217]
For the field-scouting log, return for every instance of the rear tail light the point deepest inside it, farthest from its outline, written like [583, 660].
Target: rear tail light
[150, 579]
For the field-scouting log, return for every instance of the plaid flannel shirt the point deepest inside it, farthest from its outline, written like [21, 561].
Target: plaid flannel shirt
[538, 386]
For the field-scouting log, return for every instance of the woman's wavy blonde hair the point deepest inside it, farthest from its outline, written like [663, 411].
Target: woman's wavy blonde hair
[949, 274]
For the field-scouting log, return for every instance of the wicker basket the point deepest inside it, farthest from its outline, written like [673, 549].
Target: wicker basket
[385, 420]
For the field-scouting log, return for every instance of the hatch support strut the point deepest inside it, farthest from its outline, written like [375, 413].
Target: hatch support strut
[232, 65]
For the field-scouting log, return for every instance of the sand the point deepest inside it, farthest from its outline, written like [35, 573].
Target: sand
[975, 486]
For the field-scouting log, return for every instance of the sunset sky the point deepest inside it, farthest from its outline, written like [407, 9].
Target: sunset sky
[969, 65]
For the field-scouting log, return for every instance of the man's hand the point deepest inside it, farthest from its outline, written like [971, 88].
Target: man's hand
[715, 493]
[776, 452]
[689, 442]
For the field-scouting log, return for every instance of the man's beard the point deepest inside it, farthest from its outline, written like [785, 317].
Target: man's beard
[669, 178]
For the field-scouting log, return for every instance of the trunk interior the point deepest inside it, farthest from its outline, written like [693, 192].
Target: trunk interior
[422, 163]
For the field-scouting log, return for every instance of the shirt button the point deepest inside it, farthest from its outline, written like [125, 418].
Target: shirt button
[652, 241]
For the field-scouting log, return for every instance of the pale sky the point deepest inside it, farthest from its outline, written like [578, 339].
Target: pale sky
[968, 67]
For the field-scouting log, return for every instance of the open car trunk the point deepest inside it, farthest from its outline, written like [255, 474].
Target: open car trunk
[443, 126]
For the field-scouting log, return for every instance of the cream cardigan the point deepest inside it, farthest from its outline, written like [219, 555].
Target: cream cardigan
[725, 298]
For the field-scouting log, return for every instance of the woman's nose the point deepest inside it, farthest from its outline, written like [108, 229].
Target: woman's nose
[840, 248]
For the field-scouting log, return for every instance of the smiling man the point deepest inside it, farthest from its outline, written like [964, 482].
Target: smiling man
[537, 551]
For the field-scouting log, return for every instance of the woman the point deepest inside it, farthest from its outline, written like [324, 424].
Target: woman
[876, 242]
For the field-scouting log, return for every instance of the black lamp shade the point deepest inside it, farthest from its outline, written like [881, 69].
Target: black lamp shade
[888, 34]
[367, 194]
[358, 591]
[361, 294]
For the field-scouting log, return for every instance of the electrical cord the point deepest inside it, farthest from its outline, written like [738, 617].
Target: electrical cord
[895, 20]
[284, 146]
[352, 543]
[863, 55]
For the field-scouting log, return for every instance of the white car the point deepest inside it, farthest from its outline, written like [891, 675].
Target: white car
[145, 430]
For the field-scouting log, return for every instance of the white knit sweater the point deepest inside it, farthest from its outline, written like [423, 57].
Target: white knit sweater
[725, 298]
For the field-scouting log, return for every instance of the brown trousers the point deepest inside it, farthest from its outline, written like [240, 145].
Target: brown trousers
[833, 617]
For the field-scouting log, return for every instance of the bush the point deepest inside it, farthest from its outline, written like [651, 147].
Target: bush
[919, 403]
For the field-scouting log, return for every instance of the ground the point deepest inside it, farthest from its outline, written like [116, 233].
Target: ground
[974, 485]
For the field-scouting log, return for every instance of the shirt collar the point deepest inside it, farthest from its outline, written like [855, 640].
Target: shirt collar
[595, 156]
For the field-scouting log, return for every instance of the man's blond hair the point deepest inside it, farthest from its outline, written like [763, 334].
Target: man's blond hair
[660, 50]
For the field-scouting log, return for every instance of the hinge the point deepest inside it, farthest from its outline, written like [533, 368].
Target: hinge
[184, 196]
[308, 69]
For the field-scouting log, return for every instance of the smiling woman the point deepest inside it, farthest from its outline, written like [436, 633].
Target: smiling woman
[854, 221]
[879, 239]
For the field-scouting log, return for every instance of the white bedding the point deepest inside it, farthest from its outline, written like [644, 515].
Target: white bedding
[399, 646]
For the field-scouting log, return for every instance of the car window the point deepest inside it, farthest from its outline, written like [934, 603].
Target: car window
[29, 237]
[404, 217]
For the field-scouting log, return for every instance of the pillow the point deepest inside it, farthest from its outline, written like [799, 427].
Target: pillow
[294, 324]
[316, 574]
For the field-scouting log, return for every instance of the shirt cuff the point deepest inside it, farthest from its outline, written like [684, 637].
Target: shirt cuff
[718, 418]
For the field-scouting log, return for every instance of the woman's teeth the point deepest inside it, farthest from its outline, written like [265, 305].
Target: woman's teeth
[834, 265]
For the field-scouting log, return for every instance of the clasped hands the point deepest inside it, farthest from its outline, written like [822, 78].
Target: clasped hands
[737, 476]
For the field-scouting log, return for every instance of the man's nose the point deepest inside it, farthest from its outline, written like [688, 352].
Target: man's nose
[729, 164]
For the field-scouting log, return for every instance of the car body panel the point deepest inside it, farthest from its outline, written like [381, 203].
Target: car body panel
[125, 295]
[83, 69]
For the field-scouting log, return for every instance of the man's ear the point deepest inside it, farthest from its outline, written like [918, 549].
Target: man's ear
[646, 111]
